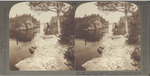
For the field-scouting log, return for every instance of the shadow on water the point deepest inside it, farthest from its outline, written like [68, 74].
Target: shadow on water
[86, 45]
[23, 35]
[91, 36]
[19, 43]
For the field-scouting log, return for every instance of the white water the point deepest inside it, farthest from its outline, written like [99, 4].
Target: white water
[41, 29]
[110, 28]
[49, 55]
[116, 55]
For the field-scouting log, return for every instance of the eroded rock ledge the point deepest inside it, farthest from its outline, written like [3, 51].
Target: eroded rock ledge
[116, 56]
[48, 55]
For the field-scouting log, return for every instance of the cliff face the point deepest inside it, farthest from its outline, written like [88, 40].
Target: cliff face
[96, 24]
[23, 22]
[27, 25]
[90, 22]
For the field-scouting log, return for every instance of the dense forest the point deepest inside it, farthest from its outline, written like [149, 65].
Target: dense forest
[91, 22]
[23, 22]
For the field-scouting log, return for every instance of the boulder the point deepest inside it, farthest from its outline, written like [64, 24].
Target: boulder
[32, 49]
[100, 49]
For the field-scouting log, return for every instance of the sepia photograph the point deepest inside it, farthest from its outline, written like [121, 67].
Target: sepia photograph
[107, 36]
[52, 36]
[41, 36]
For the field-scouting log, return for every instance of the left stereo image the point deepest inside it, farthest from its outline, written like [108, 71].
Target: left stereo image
[41, 36]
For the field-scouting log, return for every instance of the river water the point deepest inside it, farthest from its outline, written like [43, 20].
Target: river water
[19, 43]
[86, 44]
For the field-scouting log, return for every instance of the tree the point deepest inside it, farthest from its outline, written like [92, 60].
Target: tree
[45, 6]
[113, 6]
[134, 31]
[68, 27]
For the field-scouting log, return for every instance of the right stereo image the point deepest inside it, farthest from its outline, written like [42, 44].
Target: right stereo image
[107, 36]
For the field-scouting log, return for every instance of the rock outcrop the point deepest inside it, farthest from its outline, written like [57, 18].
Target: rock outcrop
[116, 55]
[91, 22]
[23, 22]
[49, 55]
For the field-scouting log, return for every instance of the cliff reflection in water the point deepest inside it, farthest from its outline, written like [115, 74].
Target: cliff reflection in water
[23, 35]
[91, 36]
[19, 43]
[86, 44]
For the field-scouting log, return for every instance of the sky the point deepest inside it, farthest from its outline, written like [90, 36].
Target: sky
[23, 8]
[90, 8]
[86, 8]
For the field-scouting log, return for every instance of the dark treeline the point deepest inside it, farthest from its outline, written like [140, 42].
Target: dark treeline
[67, 35]
[90, 22]
[23, 22]
[134, 31]
[67, 27]
[134, 38]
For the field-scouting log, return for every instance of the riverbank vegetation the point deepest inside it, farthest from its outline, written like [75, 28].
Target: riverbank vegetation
[67, 35]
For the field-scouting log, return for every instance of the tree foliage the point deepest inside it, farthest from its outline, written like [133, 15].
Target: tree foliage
[45, 6]
[113, 6]
[67, 26]
[67, 36]
[134, 31]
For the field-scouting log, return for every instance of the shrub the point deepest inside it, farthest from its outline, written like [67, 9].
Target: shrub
[135, 55]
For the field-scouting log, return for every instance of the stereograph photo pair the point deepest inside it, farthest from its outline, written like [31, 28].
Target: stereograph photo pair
[54, 36]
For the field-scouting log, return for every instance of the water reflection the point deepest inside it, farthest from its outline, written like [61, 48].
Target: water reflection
[23, 35]
[91, 36]
[19, 43]
[86, 45]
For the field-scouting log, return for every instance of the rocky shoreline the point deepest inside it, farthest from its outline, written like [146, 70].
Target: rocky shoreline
[48, 55]
[116, 56]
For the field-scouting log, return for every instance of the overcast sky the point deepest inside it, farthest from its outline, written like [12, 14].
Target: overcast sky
[23, 8]
[89, 8]
[86, 8]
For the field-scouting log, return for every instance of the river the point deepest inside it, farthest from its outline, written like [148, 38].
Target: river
[86, 44]
[19, 43]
